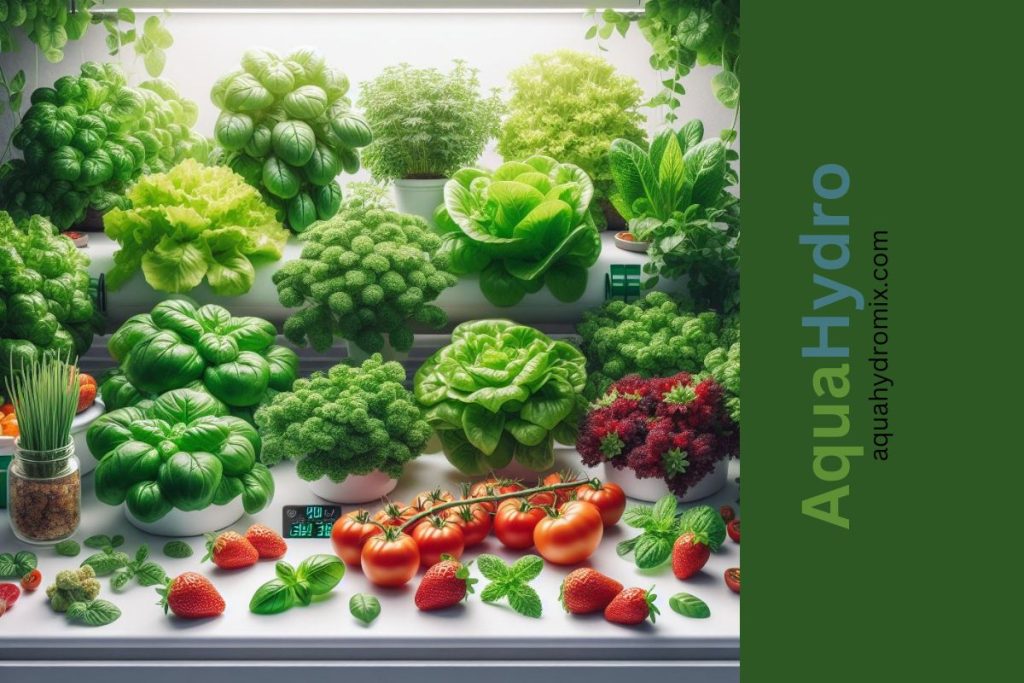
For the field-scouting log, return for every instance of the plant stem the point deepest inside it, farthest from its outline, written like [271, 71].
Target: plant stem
[493, 499]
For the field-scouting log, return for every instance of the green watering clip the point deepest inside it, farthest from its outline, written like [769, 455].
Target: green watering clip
[622, 281]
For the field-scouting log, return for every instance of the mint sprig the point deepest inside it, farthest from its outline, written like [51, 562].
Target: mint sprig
[512, 582]
[141, 568]
[17, 565]
[653, 547]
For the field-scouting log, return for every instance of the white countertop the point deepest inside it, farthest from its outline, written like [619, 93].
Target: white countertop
[326, 631]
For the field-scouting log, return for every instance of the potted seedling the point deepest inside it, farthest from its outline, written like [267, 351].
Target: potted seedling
[426, 125]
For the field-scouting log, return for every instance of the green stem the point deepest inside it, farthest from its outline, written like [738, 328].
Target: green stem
[492, 499]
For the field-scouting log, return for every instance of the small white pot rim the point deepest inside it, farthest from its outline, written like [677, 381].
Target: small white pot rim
[354, 488]
[193, 522]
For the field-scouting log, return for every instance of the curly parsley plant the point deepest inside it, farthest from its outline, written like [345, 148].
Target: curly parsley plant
[349, 420]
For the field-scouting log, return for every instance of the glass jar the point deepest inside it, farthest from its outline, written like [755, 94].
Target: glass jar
[44, 494]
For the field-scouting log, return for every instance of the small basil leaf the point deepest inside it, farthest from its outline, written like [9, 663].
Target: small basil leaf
[364, 607]
[68, 548]
[321, 572]
[689, 606]
[177, 549]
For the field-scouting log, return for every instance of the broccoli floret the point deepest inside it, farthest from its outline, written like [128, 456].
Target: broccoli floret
[73, 585]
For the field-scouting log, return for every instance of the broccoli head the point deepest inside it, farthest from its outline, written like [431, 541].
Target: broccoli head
[73, 585]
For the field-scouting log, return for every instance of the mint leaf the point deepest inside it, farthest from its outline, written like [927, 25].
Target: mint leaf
[492, 567]
[524, 599]
[100, 613]
[117, 541]
[664, 511]
[121, 578]
[364, 607]
[150, 574]
[527, 568]
[105, 564]
[626, 547]
[8, 569]
[638, 516]
[16, 566]
[703, 520]
[493, 592]
[177, 549]
[689, 606]
[68, 548]
[652, 551]
[142, 553]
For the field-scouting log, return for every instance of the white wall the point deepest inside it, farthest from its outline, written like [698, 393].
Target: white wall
[209, 45]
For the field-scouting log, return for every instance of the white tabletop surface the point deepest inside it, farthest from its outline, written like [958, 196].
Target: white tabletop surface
[325, 629]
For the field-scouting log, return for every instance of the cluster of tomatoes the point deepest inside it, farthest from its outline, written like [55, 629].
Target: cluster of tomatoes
[564, 519]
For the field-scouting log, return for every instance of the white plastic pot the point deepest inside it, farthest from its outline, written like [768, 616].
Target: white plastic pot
[420, 197]
[654, 488]
[354, 489]
[566, 459]
[388, 353]
[79, 426]
[192, 523]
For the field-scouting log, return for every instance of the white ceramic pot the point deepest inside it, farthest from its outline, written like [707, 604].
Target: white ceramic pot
[192, 523]
[388, 353]
[654, 488]
[566, 459]
[420, 197]
[79, 426]
[354, 489]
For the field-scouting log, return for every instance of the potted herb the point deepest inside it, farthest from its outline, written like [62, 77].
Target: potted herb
[570, 106]
[426, 125]
[351, 429]
[365, 275]
[676, 197]
[501, 395]
[44, 486]
[661, 435]
[180, 464]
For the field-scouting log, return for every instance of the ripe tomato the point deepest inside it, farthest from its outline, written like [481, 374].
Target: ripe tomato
[732, 579]
[727, 513]
[514, 523]
[390, 559]
[31, 581]
[394, 514]
[562, 495]
[438, 536]
[474, 520]
[428, 499]
[9, 593]
[734, 530]
[570, 534]
[608, 498]
[6, 409]
[350, 533]
[544, 499]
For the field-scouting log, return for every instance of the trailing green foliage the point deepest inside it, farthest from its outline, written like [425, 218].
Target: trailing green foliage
[178, 345]
[523, 227]
[349, 420]
[676, 196]
[682, 35]
[287, 127]
[502, 391]
[45, 299]
[180, 451]
[656, 336]
[426, 124]
[366, 273]
[87, 137]
[191, 223]
[570, 106]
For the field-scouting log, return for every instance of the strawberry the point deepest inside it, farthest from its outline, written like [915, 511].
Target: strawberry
[734, 530]
[690, 554]
[31, 581]
[727, 513]
[587, 590]
[632, 606]
[230, 550]
[191, 596]
[445, 584]
[268, 543]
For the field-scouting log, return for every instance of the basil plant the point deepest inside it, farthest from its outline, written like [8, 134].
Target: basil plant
[502, 392]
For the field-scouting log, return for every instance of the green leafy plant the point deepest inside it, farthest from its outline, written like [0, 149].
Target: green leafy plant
[177, 550]
[654, 336]
[87, 137]
[364, 607]
[689, 606]
[523, 227]
[349, 420]
[512, 582]
[191, 223]
[570, 106]
[706, 521]
[426, 124]
[366, 273]
[675, 196]
[501, 392]
[107, 561]
[16, 565]
[315, 576]
[661, 528]
[287, 127]
[142, 569]
[683, 34]
[181, 450]
[178, 345]
[45, 300]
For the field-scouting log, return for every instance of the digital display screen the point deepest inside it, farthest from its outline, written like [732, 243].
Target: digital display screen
[309, 521]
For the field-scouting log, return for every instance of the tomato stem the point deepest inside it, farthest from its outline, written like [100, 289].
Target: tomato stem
[492, 499]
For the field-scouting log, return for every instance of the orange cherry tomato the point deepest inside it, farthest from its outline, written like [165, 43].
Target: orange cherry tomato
[390, 559]
[514, 523]
[562, 495]
[349, 534]
[6, 409]
[9, 426]
[438, 536]
[608, 498]
[474, 520]
[570, 534]
[394, 514]
[429, 499]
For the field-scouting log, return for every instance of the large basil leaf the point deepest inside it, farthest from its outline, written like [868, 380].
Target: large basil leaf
[241, 382]
[123, 467]
[146, 501]
[183, 406]
[321, 572]
[259, 488]
[189, 481]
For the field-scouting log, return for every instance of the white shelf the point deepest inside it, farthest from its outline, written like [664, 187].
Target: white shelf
[35, 641]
